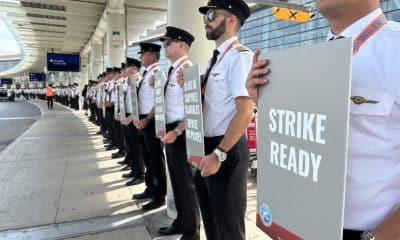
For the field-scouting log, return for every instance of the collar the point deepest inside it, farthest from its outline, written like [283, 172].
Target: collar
[354, 29]
[225, 44]
[176, 63]
[152, 66]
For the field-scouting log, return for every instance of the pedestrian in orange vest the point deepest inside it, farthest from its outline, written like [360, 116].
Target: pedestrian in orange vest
[49, 96]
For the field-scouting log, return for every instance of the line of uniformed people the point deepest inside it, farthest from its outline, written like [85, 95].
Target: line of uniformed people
[218, 187]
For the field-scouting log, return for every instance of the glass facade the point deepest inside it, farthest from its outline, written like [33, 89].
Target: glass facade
[263, 31]
[8, 64]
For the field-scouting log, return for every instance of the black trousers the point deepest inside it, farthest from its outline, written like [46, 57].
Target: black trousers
[156, 161]
[222, 197]
[93, 114]
[100, 119]
[118, 135]
[109, 121]
[76, 102]
[50, 102]
[351, 234]
[182, 181]
[134, 150]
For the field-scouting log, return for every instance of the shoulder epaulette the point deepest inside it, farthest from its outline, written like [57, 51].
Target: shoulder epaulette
[241, 48]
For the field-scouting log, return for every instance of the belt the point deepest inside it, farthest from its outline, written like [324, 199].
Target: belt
[171, 126]
[351, 234]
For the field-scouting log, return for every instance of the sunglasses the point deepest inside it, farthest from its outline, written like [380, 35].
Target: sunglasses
[211, 15]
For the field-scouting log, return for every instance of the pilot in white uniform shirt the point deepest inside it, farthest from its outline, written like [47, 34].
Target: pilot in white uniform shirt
[373, 172]
[225, 83]
[146, 92]
[174, 101]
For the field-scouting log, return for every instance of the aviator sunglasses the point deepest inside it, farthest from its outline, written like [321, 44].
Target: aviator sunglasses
[211, 15]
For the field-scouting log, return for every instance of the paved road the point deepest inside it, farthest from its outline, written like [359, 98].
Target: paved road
[15, 119]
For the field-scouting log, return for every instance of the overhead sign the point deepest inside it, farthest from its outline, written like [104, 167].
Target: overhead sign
[63, 62]
[37, 77]
[159, 104]
[302, 142]
[6, 81]
[193, 115]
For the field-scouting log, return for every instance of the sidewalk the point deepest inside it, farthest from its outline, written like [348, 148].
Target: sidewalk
[57, 178]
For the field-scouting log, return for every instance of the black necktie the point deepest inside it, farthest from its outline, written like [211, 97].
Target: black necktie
[205, 78]
[141, 82]
[212, 63]
[168, 77]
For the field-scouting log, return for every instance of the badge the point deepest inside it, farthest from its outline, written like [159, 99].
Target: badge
[266, 215]
[360, 100]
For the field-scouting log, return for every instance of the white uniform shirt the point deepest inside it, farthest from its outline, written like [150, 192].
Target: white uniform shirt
[77, 92]
[111, 86]
[174, 100]
[373, 169]
[146, 92]
[226, 82]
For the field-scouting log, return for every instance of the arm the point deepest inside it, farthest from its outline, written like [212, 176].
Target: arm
[145, 121]
[239, 123]
[389, 228]
[171, 136]
[244, 107]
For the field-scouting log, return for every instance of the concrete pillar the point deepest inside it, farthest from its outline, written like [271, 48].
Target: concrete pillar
[96, 58]
[116, 40]
[83, 78]
[185, 14]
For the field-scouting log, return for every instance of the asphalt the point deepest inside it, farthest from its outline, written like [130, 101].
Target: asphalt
[15, 119]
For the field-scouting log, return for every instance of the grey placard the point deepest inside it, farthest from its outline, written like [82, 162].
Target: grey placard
[193, 115]
[121, 102]
[159, 105]
[302, 142]
[134, 97]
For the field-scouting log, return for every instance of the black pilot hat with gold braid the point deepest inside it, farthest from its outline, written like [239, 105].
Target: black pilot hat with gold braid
[237, 7]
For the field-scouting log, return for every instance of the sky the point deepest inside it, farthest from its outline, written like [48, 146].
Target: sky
[8, 44]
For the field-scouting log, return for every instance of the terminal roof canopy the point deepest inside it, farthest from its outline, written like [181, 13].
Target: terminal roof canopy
[69, 26]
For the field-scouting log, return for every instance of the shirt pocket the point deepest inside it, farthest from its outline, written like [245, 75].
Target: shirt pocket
[217, 89]
[368, 131]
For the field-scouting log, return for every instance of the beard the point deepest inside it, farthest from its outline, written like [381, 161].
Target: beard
[216, 33]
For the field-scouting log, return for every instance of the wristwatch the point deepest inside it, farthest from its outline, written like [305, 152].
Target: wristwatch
[221, 154]
[178, 132]
[367, 235]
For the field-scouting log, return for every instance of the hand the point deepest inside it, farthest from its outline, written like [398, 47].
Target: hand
[142, 123]
[209, 165]
[179, 77]
[116, 117]
[123, 121]
[128, 121]
[170, 137]
[257, 75]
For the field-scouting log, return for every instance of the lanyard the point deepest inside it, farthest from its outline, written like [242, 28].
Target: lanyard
[226, 50]
[368, 32]
[152, 67]
[203, 89]
[177, 67]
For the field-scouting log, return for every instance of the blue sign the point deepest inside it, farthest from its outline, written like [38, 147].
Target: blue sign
[63, 62]
[6, 81]
[37, 77]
